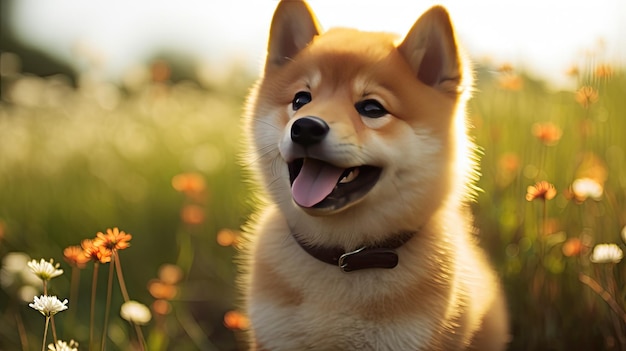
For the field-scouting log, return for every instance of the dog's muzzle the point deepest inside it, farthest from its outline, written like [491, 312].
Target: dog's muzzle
[318, 184]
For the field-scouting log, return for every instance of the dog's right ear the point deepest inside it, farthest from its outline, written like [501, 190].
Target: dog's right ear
[293, 27]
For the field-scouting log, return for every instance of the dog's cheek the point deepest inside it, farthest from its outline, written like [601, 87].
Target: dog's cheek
[390, 146]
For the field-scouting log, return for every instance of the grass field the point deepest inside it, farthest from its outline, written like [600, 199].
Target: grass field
[158, 160]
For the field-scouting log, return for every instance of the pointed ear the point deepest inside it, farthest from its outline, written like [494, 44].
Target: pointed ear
[430, 49]
[293, 27]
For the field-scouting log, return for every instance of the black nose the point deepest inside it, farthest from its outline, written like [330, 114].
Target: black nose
[308, 131]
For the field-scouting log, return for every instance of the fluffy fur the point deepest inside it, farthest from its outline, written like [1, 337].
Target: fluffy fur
[442, 295]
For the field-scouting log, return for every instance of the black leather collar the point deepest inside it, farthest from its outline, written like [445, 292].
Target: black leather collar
[382, 255]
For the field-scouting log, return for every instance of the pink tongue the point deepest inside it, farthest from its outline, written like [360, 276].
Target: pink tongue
[315, 181]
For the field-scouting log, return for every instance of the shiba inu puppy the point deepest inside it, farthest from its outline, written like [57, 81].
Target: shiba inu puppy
[359, 143]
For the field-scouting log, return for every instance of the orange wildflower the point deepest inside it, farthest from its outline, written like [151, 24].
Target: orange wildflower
[161, 307]
[227, 237]
[189, 183]
[511, 81]
[114, 239]
[573, 71]
[75, 256]
[509, 162]
[506, 68]
[604, 71]
[170, 274]
[96, 252]
[236, 320]
[586, 96]
[548, 133]
[541, 190]
[573, 247]
[508, 168]
[161, 290]
[192, 214]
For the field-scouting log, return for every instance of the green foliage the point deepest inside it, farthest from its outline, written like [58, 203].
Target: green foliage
[74, 162]
[542, 247]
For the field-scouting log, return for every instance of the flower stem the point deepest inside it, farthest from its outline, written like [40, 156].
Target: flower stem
[54, 328]
[21, 330]
[120, 279]
[545, 218]
[543, 232]
[120, 276]
[605, 295]
[142, 339]
[74, 282]
[94, 284]
[45, 334]
[108, 304]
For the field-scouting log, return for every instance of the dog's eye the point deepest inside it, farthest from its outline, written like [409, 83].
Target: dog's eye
[302, 98]
[370, 108]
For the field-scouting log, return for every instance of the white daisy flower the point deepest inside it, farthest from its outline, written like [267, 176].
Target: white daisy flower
[135, 312]
[584, 188]
[45, 270]
[606, 253]
[14, 275]
[48, 305]
[63, 346]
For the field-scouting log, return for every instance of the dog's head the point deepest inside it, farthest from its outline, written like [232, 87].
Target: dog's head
[348, 121]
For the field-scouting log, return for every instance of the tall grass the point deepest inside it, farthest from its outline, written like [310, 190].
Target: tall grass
[76, 161]
[542, 247]
[159, 160]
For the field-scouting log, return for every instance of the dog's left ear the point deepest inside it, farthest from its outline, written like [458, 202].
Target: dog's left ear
[293, 27]
[431, 50]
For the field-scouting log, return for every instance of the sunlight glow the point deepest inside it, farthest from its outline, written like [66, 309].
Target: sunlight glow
[543, 36]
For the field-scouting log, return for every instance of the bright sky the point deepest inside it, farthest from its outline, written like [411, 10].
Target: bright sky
[545, 36]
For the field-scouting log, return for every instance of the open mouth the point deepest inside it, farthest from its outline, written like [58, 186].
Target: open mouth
[321, 185]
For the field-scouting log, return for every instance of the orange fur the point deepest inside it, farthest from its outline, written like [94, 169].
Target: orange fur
[442, 295]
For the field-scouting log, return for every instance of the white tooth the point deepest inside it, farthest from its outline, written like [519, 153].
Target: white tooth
[350, 177]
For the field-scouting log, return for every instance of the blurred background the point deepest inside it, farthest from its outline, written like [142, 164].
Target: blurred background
[128, 114]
